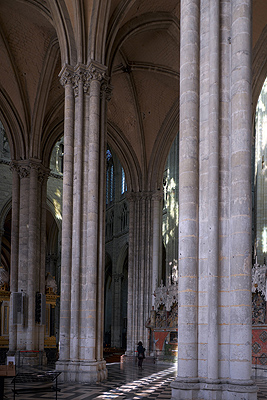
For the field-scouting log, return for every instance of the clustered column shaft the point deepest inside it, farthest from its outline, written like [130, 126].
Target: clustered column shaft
[214, 314]
[83, 208]
[28, 229]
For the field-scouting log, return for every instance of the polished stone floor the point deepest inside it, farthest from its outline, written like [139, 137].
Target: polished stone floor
[125, 381]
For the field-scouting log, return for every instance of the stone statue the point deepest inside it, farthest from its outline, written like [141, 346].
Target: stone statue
[50, 282]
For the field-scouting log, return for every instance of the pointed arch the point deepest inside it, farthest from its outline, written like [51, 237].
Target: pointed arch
[126, 156]
[98, 31]
[13, 126]
[65, 33]
[5, 210]
[161, 20]
[162, 146]
[43, 91]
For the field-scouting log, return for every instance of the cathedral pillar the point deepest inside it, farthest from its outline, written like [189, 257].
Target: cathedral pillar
[26, 273]
[188, 192]
[67, 208]
[240, 202]
[14, 254]
[81, 319]
[116, 311]
[214, 299]
[141, 275]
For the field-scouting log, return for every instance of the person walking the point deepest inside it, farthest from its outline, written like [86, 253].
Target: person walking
[140, 354]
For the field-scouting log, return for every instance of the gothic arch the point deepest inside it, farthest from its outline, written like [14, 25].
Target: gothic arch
[13, 126]
[98, 31]
[162, 147]
[126, 156]
[42, 95]
[52, 135]
[3, 213]
[122, 256]
[147, 21]
[65, 34]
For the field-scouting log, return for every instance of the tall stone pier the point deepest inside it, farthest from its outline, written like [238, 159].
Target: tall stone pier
[214, 317]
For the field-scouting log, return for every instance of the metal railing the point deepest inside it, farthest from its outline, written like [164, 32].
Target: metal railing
[259, 363]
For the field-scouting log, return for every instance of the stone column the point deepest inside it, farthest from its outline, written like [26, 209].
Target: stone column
[92, 339]
[42, 180]
[34, 252]
[24, 174]
[140, 270]
[66, 80]
[77, 214]
[83, 216]
[116, 310]
[240, 207]
[188, 196]
[221, 366]
[131, 342]
[26, 260]
[14, 254]
[213, 192]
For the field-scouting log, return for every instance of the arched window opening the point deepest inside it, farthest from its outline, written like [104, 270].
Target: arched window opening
[123, 182]
[110, 183]
[56, 159]
[170, 213]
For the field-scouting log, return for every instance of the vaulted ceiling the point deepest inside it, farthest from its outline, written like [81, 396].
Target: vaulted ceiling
[138, 40]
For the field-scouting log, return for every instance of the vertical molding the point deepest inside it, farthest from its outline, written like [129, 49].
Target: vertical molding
[66, 257]
[140, 273]
[224, 189]
[213, 207]
[240, 261]
[33, 264]
[131, 285]
[203, 328]
[77, 215]
[14, 252]
[188, 191]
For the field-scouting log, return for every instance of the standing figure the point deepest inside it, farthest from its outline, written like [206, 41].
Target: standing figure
[140, 354]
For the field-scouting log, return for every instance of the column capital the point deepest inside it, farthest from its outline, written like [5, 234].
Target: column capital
[83, 74]
[137, 196]
[95, 72]
[24, 167]
[21, 167]
[66, 75]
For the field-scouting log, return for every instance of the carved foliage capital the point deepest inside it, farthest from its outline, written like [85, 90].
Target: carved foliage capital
[82, 74]
[66, 76]
[24, 168]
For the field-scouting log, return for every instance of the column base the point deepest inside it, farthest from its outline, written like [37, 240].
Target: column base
[81, 371]
[186, 390]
